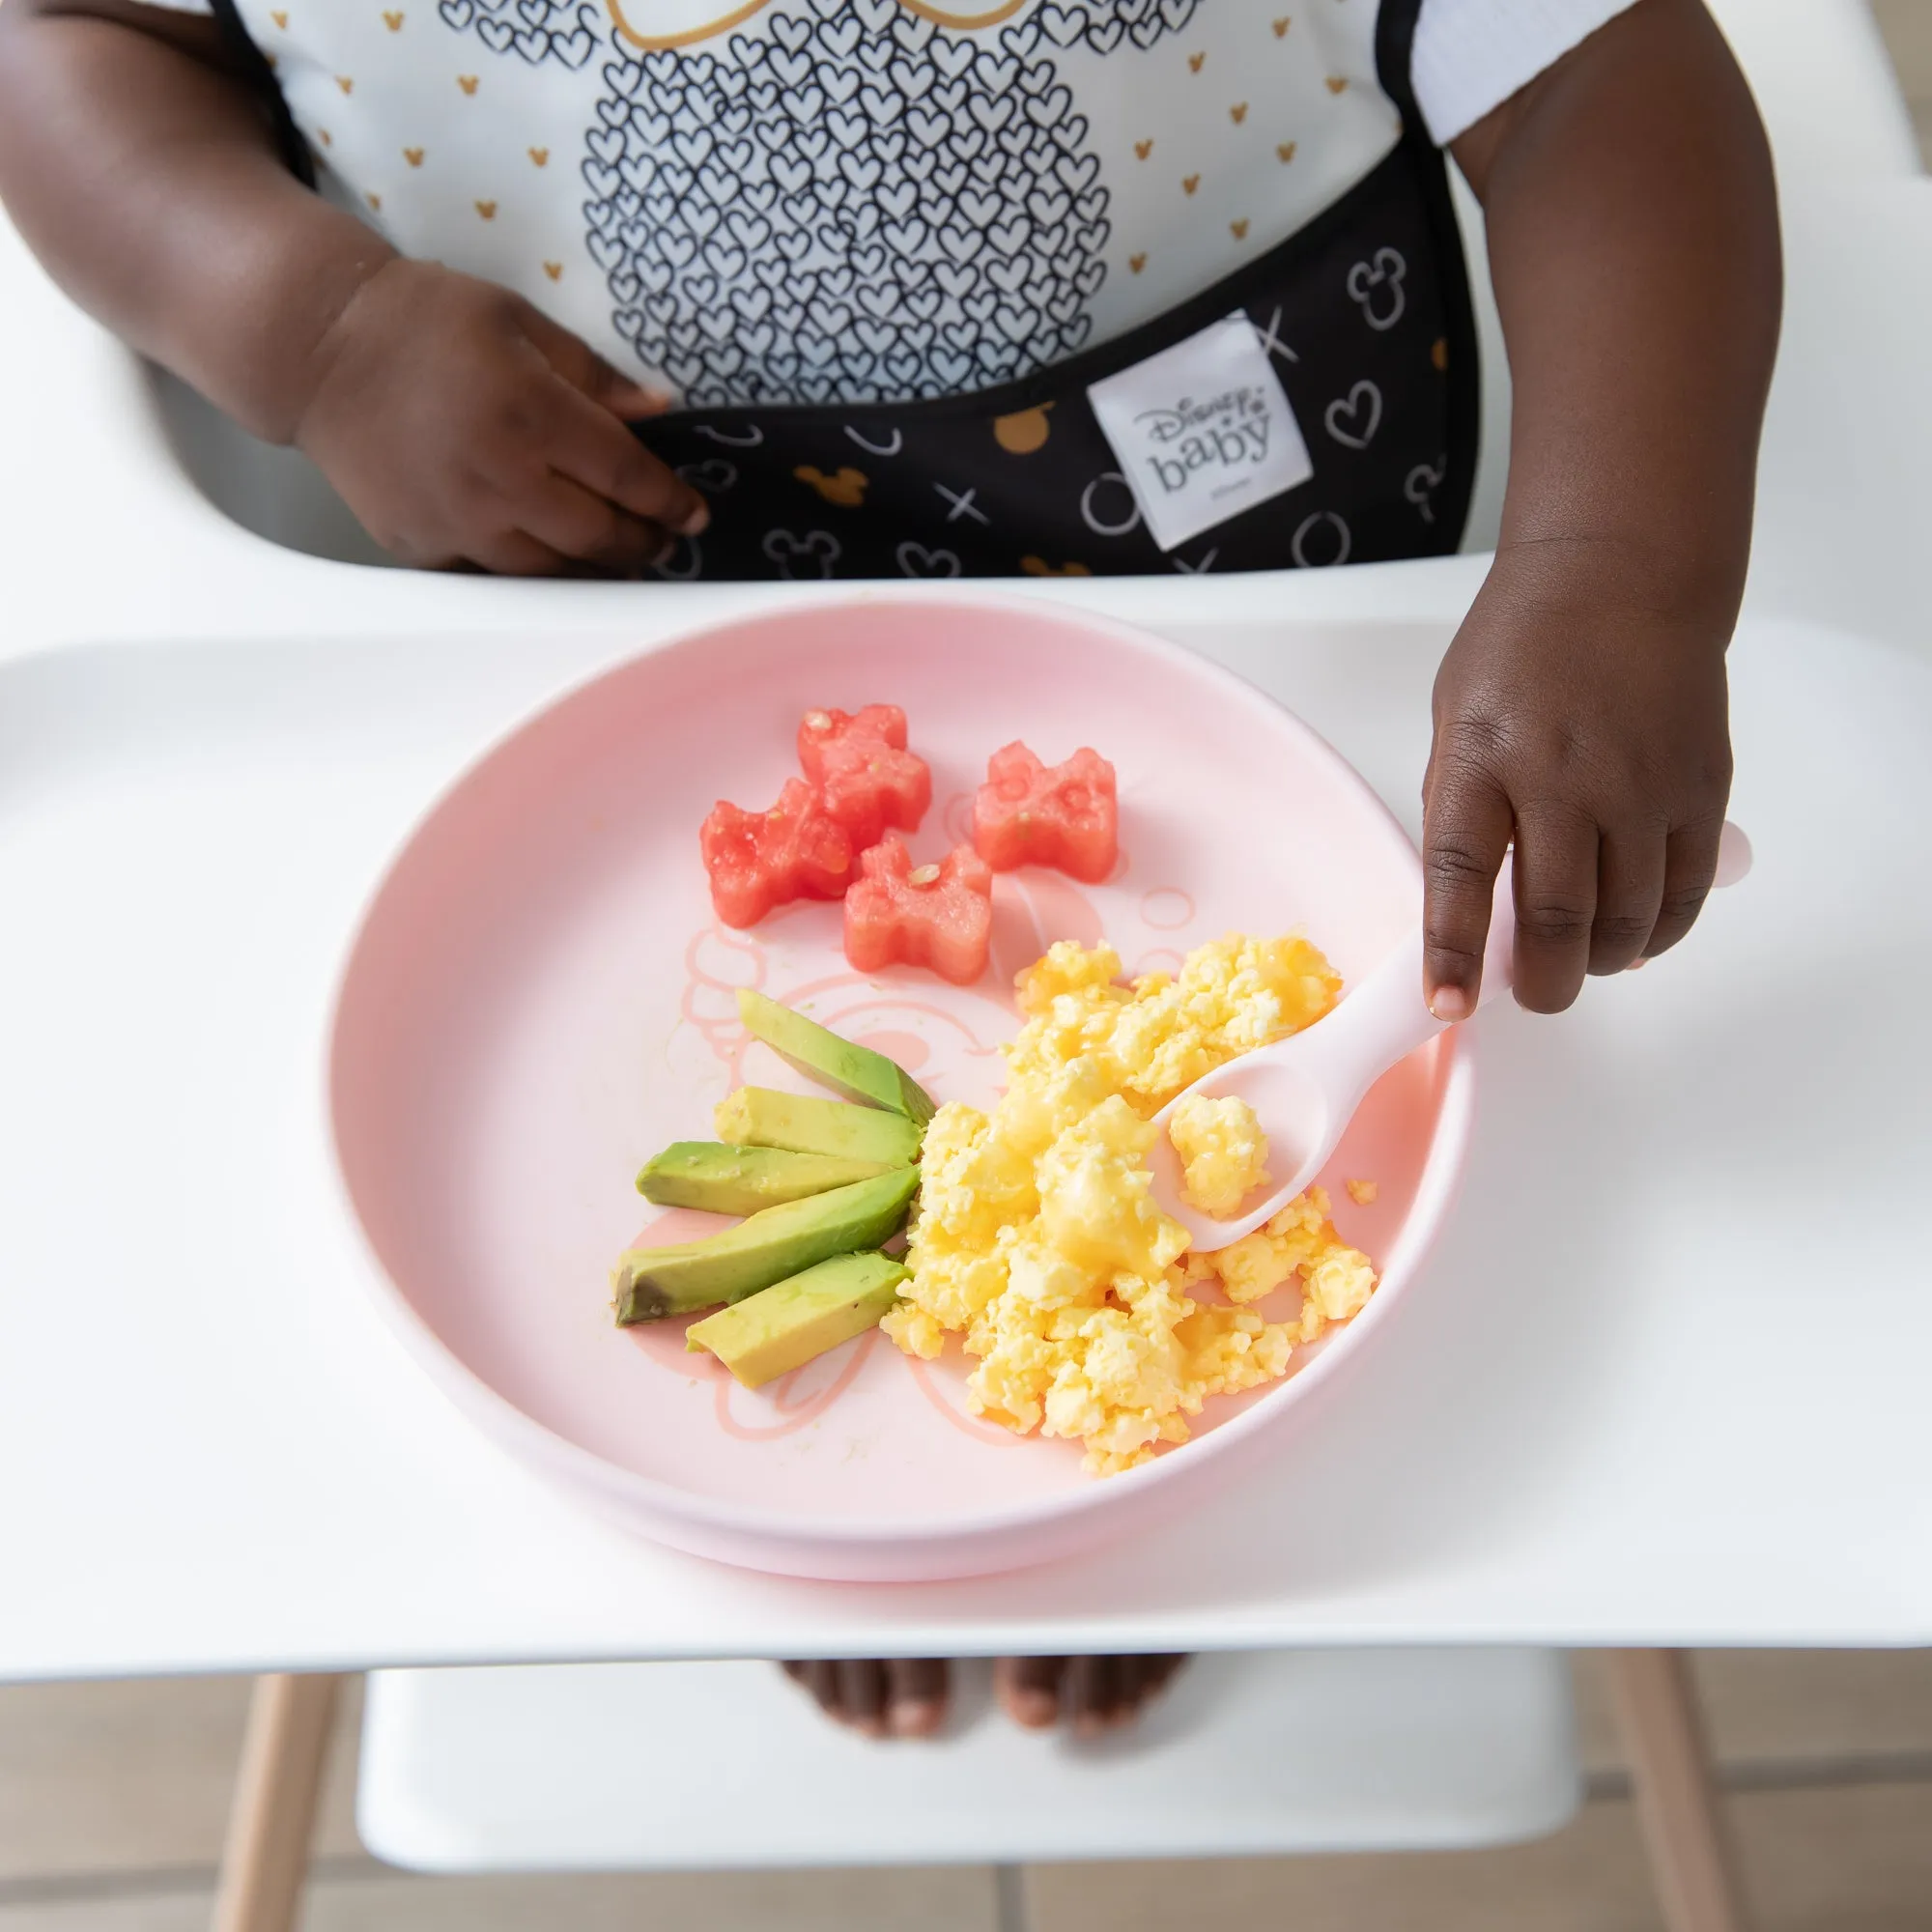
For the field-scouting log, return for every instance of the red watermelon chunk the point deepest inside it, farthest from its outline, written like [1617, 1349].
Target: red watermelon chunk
[1067, 816]
[861, 765]
[758, 860]
[939, 917]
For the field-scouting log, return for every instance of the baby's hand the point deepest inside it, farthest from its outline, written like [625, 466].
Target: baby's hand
[1588, 721]
[463, 426]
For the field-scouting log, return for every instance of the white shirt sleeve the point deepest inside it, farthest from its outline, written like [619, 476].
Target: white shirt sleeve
[1471, 55]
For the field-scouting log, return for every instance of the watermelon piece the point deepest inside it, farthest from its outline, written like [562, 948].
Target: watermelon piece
[759, 860]
[1067, 816]
[939, 917]
[859, 763]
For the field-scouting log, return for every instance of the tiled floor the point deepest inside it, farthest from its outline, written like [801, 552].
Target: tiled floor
[111, 1797]
[111, 1800]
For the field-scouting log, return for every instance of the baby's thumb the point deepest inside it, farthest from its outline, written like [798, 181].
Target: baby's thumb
[1465, 833]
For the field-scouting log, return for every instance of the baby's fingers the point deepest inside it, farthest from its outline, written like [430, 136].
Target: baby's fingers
[1690, 864]
[592, 447]
[591, 530]
[1465, 833]
[1629, 888]
[515, 553]
[1556, 856]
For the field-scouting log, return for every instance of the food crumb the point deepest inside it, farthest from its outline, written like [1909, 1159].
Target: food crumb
[1362, 1192]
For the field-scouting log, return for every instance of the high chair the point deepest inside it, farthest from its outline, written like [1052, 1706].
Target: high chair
[656, 1766]
[728, 1766]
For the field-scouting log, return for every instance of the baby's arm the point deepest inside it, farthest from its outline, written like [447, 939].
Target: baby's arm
[459, 424]
[1634, 243]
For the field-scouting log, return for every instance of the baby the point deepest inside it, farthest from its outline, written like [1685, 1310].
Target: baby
[849, 288]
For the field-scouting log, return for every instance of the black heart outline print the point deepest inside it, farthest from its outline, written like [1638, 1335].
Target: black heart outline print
[804, 135]
[567, 32]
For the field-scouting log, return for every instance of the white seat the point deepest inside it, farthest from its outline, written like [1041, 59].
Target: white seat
[647, 1766]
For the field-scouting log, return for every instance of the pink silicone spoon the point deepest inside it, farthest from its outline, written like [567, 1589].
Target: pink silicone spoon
[1305, 1088]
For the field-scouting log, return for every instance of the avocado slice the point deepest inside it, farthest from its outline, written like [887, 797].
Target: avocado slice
[784, 1326]
[819, 1054]
[724, 1180]
[648, 1284]
[763, 1117]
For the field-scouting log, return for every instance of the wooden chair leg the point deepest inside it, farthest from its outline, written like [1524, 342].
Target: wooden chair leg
[1678, 1807]
[271, 1822]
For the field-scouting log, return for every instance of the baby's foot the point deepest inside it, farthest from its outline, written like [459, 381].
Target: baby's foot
[1092, 1693]
[907, 1697]
[889, 1697]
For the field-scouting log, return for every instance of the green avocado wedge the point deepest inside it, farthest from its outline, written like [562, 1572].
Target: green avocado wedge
[726, 1180]
[648, 1284]
[800, 1124]
[855, 1072]
[784, 1326]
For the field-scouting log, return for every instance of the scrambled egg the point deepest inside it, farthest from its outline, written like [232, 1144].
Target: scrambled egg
[1336, 1280]
[1037, 1240]
[1223, 1153]
[1362, 1192]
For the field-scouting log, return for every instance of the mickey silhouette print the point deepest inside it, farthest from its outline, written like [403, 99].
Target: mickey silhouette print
[1375, 288]
[861, 200]
[804, 559]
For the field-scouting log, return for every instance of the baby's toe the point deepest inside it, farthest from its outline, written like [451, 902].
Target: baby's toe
[1029, 1688]
[861, 1694]
[1090, 1693]
[1095, 1694]
[878, 1698]
[916, 1691]
[848, 1692]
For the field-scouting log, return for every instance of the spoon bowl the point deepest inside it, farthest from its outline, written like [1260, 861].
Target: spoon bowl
[1305, 1088]
[1302, 1130]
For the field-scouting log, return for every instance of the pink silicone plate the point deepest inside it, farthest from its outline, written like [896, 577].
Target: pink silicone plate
[539, 998]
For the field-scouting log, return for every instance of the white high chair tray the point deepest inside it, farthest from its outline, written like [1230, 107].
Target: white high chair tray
[727, 1766]
[1662, 1384]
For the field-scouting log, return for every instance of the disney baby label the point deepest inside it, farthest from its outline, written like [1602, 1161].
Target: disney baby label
[1203, 431]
